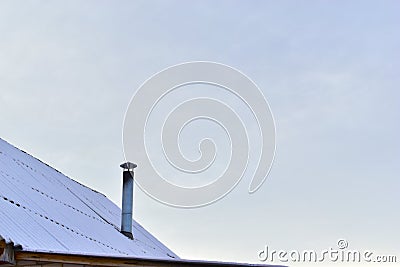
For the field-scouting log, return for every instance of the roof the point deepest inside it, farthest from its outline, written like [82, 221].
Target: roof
[42, 210]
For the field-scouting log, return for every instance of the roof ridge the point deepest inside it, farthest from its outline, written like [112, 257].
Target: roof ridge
[98, 192]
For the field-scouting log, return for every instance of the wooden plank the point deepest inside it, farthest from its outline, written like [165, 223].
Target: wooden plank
[72, 265]
[3, 244]
[27, 263]
[118, 261]
[52, 265]
[84, 260]
[38, 263]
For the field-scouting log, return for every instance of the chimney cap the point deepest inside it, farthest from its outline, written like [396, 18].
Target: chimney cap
[128, 165]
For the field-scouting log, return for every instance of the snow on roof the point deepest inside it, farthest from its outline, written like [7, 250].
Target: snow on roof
[43, 210]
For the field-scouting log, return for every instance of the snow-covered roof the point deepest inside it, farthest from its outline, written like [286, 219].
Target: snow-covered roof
[43, 210]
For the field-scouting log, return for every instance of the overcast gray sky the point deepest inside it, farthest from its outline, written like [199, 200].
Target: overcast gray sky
[330, 71]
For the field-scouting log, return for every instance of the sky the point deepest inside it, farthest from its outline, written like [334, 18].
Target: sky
[330, 73]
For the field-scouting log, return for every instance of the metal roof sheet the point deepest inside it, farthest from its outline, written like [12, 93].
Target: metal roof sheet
[43, 210]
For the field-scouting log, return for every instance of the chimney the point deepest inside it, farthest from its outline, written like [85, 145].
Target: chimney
[127, 198]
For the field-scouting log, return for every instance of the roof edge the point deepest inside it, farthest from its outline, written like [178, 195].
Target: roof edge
[48, 165]
[122, 261]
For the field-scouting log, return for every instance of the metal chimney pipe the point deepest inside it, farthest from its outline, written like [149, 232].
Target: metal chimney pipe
[127, 198]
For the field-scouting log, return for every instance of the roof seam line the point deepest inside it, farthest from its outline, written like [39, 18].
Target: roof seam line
[115, 227]
[60, 224]
[53, 198]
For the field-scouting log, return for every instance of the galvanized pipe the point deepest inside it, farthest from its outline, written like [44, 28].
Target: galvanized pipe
[127, 199]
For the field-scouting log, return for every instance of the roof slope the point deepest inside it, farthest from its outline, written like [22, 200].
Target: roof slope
[43, 210]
